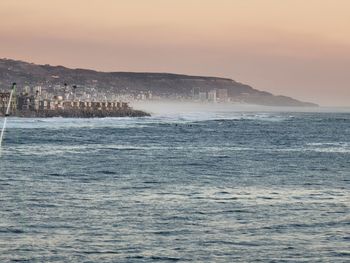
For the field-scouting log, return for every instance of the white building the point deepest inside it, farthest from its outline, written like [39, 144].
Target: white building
[202, 96]
[212, 96]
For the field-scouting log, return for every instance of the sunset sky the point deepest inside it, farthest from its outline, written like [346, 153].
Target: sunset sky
[299, 48]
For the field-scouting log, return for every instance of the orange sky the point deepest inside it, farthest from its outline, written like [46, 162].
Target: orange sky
[299, 48]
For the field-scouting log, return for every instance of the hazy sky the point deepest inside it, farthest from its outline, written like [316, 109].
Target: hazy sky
[299, 48]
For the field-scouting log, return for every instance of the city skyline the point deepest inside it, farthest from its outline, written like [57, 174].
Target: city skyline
[291, 48]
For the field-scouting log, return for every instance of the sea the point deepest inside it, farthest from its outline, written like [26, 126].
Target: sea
[221, 185]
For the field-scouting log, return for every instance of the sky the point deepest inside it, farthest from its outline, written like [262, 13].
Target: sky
[298, 48]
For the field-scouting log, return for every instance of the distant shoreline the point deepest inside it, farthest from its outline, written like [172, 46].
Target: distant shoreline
[84, 84]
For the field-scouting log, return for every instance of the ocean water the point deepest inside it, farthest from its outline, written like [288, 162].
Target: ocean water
[222, 186]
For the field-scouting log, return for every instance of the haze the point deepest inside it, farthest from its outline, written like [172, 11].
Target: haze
[292, 47]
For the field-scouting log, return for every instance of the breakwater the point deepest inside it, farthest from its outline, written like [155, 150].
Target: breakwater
[79, 113]
[34, 106]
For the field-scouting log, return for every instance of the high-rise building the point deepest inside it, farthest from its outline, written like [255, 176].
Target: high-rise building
[37, 90]
[5, 99]
[27, 90]
[202, 96]
[212, 96]
[222, 95]
[195, 93]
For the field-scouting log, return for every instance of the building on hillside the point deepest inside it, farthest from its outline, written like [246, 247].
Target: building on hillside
[203, 96]
[212, 96]
[222, 95]
[4, 101]
[195, 93]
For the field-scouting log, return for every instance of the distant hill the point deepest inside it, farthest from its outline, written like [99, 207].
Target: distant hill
[160, 84]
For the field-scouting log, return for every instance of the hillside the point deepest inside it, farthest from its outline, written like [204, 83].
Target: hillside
[162, 85]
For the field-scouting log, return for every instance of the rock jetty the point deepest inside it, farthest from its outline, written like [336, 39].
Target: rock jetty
[80, 113]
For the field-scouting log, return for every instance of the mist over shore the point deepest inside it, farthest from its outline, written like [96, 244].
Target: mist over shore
[172, 107]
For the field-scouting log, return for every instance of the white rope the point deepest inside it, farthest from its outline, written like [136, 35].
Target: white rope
[6, 115]
[2, 132]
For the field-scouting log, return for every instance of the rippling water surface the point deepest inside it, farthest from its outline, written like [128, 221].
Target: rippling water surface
[224, 187]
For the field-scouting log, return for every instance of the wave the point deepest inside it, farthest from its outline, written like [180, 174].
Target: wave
[328, 147]
[316, 147]
[56, 149]
[139, 122]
